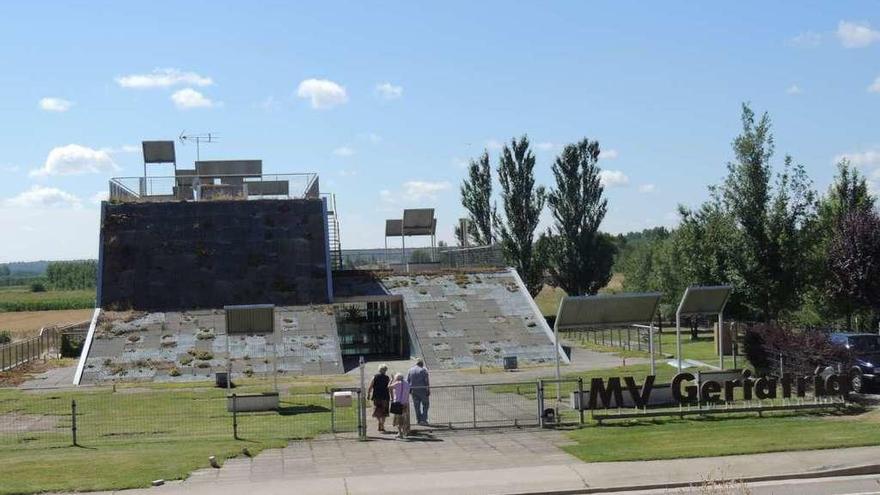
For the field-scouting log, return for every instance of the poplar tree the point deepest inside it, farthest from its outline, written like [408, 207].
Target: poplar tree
[522, 202]
[476, 197]
[579, 257]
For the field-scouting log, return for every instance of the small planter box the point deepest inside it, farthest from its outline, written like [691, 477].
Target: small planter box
[253, 402]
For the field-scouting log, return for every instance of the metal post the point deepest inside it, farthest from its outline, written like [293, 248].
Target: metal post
[73, 421]
[332, 412]
[539, 395]
[474, 403]
[558, 349]
[720, 341]
[651, 347]
[580, 398]
[234, 417]
[678, 339]
[362, 405]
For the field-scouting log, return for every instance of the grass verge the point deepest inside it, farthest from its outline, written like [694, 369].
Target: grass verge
[722, 435]
[137, 434]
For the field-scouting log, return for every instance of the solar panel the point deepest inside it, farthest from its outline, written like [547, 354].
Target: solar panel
[607, 309]
[393, 228]
[214, 168]
[250, 319]
[419, 221]
[158, 151]
[704, 300]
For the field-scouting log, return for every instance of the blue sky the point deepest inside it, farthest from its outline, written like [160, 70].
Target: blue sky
[388, 100]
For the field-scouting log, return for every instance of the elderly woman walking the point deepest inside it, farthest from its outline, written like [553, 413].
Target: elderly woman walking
[378, 392]
[400, 405]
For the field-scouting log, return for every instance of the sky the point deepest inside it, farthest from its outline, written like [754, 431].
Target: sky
[387, 101]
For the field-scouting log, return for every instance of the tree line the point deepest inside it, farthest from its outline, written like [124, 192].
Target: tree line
[72, 275]
[793, 255]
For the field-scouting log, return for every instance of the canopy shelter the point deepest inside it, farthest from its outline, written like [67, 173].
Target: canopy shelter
[702, 300]
[577, 312]
[415, 222]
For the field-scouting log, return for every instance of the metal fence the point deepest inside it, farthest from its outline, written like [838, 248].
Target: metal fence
[631, 338]
[481, 405]
[47, 343]
[134, 415]
[479, 256]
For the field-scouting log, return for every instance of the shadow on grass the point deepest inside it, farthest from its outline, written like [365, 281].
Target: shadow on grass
[729, 418]
[307, 409]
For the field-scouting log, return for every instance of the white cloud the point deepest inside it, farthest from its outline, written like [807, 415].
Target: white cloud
[609, 154]
[322, 93]
[163, 78]
[856, 34]
[75, 159]
[347, 173]
[100, 196]
[343, 151]
[371, 137]
[869, 158]
[808, 38]
[794, 89]
[417, 190]
[647, 188]
[613, 178]
[41, 197]
[875, 86]
[545, 146]
[389, 91]
[189, 98]
[52, 104]
[494, 144]
[460, 162]
[10, 168]
[125, 148]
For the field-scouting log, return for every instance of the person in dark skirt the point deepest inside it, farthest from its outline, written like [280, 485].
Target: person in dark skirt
[378, 393]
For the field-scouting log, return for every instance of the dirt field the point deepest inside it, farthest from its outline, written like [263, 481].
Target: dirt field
[26, 323]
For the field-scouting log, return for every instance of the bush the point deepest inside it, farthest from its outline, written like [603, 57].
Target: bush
[38, 287]
[71, 347]
[801, 351]
[5, 337]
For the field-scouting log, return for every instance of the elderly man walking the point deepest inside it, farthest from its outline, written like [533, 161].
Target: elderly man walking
[417, 377]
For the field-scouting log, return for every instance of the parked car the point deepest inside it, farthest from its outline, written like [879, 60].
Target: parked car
[864, 352]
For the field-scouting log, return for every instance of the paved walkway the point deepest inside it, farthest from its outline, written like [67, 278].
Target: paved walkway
[510, 462]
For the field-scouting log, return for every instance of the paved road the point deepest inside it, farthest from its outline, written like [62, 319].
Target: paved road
[850, 485]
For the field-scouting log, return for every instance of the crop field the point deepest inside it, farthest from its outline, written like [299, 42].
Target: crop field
[23, 299]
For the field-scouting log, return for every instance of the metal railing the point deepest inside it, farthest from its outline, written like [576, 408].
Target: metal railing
[46, 343]
[196, 188]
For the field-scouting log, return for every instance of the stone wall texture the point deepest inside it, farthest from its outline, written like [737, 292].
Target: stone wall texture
[208, 254]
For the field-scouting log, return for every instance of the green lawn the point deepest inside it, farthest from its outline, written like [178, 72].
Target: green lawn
[721, 435]
[22, 299]
[702, 349]
[137, 434]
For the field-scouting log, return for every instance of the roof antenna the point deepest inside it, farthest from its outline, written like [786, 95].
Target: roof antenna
[209, 137]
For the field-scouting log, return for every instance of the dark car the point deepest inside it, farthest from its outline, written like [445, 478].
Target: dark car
[864, 352]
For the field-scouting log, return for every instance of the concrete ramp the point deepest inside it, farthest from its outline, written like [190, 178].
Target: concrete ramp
[191, 345]
[462, 320]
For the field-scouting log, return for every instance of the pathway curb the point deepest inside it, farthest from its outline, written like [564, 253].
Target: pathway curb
[861, 470]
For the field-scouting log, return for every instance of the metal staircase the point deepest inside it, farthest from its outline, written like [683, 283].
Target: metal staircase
[333, 224]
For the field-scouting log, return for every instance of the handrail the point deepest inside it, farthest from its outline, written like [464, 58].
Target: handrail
[15, 354]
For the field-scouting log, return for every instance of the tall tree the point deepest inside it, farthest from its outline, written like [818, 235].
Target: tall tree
[522, 202]
[774, 226]
[854, 263]
[580, 258]
[847, 194]
[476, 197]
